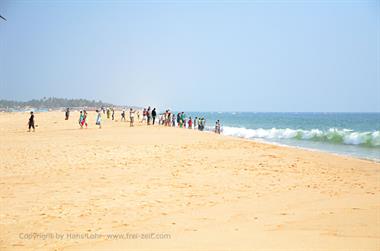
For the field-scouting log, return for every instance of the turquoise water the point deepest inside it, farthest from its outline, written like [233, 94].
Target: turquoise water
[354, 134]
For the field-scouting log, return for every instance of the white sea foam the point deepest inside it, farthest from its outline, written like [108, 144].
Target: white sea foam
[333, 135]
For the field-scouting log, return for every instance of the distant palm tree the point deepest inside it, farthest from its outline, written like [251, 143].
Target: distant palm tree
[3, 17]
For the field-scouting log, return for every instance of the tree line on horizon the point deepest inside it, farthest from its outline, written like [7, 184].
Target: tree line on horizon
[53, 102]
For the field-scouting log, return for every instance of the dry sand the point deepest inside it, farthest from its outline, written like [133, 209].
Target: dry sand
[193, 190]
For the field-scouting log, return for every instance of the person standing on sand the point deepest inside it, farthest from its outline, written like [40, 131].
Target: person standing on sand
[99, 119]
[84, 120]
[195, 123]
[217, 127]
[144, 116]
[138, 116]
[131, 117]
[67, 114]
[190, 123]
[108, 113]
[183, 121]
[148, 114]
[123, 116]
[113, 114]
[165, 118]
[154, 114]
[31, 122]
[173, 119]
[80, 119]
[178, 119]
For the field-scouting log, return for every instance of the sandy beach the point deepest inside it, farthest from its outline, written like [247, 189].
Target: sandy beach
[161, 188]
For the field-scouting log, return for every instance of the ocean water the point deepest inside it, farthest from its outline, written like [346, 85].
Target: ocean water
[353, 134]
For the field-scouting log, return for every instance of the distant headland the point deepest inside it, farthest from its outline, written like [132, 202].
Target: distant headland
[51, 103]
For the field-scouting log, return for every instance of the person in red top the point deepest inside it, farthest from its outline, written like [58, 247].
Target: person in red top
[190, 123]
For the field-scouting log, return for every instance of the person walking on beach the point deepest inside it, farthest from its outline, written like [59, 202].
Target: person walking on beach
[80, 119]
[190, 123]
[154, 114]
[108, 113]
[84, 120]
[31, 122]
[131, 117]
[67, 114]
[195, 123]
[113, 114]
[123, 116]
[144, 116]
[99, 119]
[138, 116]
[148, 114]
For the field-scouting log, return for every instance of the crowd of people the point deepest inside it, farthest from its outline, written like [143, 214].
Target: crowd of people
[149, 117]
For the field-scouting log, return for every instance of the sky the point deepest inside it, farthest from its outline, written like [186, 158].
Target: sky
[192, 55]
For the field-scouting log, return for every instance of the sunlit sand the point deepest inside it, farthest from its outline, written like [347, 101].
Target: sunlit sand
[192, 190]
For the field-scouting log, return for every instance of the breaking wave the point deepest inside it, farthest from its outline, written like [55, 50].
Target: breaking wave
[332, 135]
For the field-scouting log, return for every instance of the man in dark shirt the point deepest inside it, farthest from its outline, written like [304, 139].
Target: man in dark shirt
[31, 122]
[154, 114]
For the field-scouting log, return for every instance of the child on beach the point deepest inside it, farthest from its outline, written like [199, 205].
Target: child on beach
[99, 119]
[31, 122]
[190, 124]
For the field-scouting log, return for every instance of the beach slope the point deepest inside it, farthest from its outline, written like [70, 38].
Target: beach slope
[159, 188]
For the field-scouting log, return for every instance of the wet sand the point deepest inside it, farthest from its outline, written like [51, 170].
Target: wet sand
[159, 188]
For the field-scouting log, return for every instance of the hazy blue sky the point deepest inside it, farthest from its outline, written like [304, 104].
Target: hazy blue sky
[195, 55]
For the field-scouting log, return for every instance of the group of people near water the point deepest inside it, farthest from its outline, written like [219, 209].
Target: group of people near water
[150, 117]
[169, 118]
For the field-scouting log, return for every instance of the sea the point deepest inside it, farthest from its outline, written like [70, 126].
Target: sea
[350, 134]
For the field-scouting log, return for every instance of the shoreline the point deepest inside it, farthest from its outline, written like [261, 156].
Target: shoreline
[258, 140]
[313, 150]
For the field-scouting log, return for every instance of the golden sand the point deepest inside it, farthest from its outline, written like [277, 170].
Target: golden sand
[191, 190]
